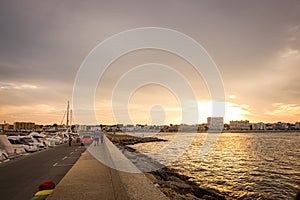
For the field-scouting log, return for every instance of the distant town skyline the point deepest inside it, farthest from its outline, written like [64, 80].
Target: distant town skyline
[214, 124]
[255, 45]
[115, 124]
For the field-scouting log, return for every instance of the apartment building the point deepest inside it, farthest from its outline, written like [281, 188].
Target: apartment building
[215, 123]
[24, 126]
[239, 125]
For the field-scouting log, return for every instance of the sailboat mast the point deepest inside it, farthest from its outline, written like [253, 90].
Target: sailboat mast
[71, 117]
[71, 120]
[68, 117]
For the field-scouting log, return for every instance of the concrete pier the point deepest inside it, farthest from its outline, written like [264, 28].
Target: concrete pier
[91, 179]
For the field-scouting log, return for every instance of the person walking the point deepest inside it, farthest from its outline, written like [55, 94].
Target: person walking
[70, 140]
[96, 137]
[102, 136]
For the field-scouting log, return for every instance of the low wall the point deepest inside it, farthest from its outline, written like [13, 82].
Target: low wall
[136, 184]
[6, 145]
[11, 150]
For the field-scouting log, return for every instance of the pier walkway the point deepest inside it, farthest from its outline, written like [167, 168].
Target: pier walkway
[91, 179]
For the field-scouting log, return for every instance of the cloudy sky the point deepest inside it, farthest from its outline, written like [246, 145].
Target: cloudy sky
[255, 45]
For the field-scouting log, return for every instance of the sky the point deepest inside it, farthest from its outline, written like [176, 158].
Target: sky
[254, 44]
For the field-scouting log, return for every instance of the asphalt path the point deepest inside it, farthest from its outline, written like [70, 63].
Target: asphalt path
[20, 178]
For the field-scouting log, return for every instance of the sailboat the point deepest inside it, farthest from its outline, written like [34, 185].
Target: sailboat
[65, 134]
[68, 112]
[69, 132]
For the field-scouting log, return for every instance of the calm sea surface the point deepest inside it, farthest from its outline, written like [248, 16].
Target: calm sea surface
[241, 165]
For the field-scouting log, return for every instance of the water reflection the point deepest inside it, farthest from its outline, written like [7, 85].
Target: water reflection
[243, 165]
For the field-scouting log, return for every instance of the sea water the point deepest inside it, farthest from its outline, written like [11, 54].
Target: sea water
[239, 165]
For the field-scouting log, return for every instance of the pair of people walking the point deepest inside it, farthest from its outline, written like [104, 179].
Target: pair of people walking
[98, 135]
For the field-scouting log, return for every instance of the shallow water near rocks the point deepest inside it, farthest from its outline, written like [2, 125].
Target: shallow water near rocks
[240, 165]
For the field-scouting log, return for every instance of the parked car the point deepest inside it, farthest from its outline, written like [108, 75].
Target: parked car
[86, 140]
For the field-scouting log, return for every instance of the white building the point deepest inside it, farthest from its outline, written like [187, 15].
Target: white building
[94, 128]
[82, 128]
[280, 126]
[239, 125]
[258, 126]
[128, 128]
[215, 123]
[297, 125]
[24, 126]
[188, 128]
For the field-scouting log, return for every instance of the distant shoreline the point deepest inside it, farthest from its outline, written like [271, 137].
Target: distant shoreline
[11, 133]
[227, 131]
[259, 131]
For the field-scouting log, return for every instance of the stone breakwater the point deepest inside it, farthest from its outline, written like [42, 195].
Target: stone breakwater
[172, 184]
[124, 140]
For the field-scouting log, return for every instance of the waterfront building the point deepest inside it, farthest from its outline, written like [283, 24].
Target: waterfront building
[138, 128]
[49, 128]
[215, 123]
[280, 126]
[94, 128]
[146, 128]
[269, 126]
[2, 127]
[153, 128]
[258, 126]
[184, 128]
[24, 126]
[239, 125]
[81, 128]
[38, 128]
[291, 126]
[129, 128]
[120, 125]
[7, 127]
[297, 125]
[202, 127]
